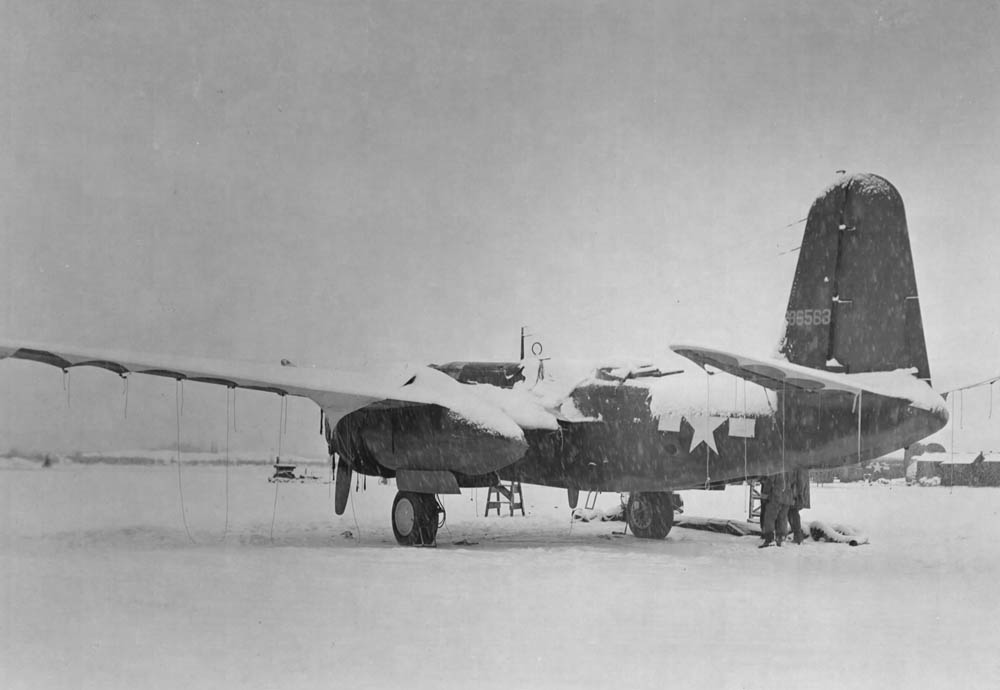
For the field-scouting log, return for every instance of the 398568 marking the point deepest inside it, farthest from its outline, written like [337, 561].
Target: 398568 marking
[807, 317]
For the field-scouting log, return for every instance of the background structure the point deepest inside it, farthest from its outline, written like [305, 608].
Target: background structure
[349, 183]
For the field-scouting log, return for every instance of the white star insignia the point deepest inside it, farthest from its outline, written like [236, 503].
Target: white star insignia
[704, 431]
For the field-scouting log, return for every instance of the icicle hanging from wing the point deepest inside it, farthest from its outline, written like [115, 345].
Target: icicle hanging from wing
[337, 392]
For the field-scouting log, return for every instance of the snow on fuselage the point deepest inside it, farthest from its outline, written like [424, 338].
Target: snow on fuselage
[692, 427]
[631, 425]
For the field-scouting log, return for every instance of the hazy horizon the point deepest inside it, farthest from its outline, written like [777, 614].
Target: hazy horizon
[349, 183]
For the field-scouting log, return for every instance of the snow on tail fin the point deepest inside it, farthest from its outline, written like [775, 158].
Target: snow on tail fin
[853, 306]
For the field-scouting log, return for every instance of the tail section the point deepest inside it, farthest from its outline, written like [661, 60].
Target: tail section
[854, 306]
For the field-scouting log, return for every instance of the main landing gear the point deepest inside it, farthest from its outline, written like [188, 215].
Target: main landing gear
[415, 518]
[650, 514]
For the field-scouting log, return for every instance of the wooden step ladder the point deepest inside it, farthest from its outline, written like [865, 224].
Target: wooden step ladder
[501, 495]
[754, 512]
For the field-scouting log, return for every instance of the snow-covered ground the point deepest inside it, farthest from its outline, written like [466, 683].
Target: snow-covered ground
[102, 588]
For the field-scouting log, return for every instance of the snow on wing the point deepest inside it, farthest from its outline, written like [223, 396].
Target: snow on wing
[774, 374]
[337, 392]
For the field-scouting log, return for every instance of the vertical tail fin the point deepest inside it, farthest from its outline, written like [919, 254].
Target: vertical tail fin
[854, 305]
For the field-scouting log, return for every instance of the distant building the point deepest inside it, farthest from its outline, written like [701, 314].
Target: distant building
[961, 469]
[885, 467]
[911, 456]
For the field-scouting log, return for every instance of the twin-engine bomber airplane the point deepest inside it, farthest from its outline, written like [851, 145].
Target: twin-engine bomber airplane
[851, 383]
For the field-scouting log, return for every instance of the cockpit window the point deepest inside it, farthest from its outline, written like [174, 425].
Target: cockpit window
[499, 374]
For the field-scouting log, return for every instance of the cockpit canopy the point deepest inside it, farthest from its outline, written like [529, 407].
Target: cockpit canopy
[499, 374]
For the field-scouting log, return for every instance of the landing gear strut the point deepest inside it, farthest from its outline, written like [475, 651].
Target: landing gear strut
[415, 519]
[650, 514]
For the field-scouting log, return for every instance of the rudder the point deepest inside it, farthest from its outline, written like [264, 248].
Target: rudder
[854, 305]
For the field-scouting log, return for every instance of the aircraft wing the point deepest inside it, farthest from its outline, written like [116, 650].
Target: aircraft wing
[337, 392]
[777, 375]
[985, 382]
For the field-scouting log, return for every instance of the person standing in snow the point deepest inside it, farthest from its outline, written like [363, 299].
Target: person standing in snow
[767, 534]
[800, 501]
[777, 489]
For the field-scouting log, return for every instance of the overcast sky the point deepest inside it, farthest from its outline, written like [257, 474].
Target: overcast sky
[349, 183]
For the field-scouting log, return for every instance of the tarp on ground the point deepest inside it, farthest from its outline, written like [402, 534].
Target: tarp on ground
[737, 528]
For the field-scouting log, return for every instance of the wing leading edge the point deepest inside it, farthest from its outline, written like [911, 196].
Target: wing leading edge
[337, 392]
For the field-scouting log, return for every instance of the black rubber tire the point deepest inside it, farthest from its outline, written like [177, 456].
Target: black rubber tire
[415, 519]
[650, 514]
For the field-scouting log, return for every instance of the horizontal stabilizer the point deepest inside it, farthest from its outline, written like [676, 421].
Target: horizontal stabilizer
[778, 375]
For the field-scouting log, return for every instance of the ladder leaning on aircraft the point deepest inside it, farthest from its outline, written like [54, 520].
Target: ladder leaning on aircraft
[851, 383]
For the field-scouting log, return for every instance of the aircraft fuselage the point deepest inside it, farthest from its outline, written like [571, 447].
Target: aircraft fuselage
[629, 451]
[620, 442]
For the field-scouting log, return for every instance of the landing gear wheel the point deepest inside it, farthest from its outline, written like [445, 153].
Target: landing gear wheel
[650, 514]
[415, 519]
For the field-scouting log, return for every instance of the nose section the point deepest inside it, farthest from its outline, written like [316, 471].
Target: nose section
[927, 421]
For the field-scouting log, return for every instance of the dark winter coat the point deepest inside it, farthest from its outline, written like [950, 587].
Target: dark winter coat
[800, 481]
[780, 489]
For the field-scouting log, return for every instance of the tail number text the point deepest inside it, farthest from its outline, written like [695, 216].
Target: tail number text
[808, 317]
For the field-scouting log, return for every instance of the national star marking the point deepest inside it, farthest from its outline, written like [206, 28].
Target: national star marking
[704, 431]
